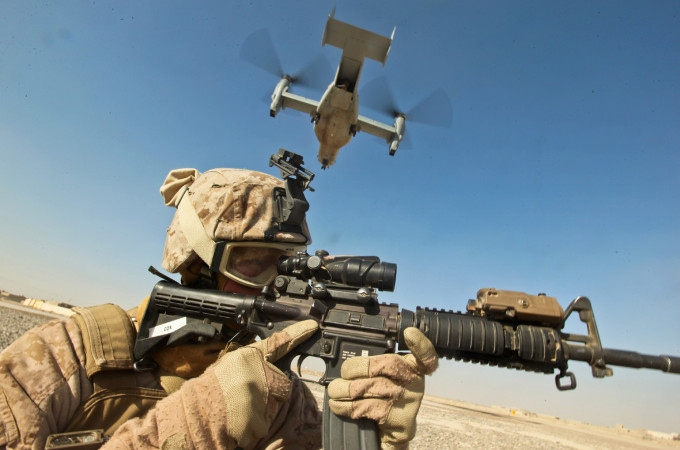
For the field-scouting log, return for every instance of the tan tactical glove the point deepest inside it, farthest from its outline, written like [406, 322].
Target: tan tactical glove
[386, 388]
[241, 401]
[253, 387]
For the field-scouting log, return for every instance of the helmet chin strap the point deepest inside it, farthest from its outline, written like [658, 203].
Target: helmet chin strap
[193, 230]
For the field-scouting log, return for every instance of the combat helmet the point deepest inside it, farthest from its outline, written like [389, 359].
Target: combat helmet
[223, 213]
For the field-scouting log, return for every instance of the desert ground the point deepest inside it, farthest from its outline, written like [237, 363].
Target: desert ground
[445, 423]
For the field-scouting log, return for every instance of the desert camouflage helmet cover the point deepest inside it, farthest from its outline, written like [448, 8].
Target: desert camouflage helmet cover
[232, 205]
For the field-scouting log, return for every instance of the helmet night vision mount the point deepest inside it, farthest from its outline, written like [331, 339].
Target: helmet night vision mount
[290, 204]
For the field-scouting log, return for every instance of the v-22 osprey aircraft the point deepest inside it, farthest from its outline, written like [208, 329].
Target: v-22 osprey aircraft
[336, 117]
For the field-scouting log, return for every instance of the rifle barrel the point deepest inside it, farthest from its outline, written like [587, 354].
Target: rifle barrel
[626, 358]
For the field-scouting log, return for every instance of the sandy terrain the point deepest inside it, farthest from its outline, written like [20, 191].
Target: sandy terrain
[444, 423]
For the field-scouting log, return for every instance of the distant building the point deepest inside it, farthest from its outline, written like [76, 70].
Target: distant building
[11, 297]
[52, 307]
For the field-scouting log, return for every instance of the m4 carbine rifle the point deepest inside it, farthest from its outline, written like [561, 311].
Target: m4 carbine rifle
[499, 328]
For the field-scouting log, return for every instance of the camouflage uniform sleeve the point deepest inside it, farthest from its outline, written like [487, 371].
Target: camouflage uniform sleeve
[43, 382]
[196, 417]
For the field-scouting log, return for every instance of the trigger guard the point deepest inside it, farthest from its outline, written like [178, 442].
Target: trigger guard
[301, 358]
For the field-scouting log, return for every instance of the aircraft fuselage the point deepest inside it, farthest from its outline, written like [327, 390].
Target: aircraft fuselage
[335, 122]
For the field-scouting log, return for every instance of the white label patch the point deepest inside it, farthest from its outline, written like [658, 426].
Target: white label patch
[168, 327]
[364, 353]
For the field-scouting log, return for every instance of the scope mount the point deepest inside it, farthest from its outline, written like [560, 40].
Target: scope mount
[320, 290]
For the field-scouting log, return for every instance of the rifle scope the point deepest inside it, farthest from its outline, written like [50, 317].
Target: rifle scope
[353, 271]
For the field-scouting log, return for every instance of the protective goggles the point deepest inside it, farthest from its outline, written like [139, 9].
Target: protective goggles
[253, 263]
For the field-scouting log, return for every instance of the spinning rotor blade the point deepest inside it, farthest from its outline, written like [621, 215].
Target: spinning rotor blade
[317, 74]
[434, 109]
[258, 49]
[377, 95]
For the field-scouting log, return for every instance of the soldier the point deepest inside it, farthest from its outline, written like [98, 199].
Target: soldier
[78, 374]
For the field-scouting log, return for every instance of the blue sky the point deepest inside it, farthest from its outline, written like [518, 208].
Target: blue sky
[558, 174]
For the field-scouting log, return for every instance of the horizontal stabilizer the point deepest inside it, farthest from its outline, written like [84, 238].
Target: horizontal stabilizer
[356, 42]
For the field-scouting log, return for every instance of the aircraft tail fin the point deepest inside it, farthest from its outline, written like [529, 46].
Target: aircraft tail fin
[356, 42]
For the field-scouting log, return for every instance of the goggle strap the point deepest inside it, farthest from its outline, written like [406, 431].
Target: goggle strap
[193, 230]
[218, 255]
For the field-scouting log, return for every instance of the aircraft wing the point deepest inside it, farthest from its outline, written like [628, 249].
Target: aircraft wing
[299, 103]
[376, 128]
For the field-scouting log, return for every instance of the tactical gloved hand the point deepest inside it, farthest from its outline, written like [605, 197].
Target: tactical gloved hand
[242, 400]
[253, 386]
[386, 388]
